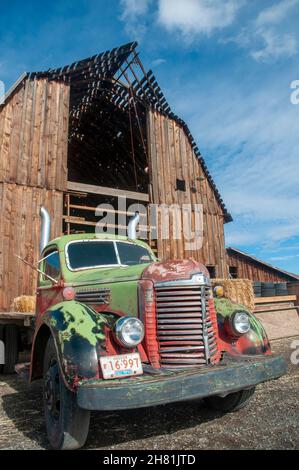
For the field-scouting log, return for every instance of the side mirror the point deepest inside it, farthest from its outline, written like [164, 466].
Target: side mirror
[37, 270]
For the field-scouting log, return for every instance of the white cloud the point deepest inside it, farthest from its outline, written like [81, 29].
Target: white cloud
[272, 35]
[133, 15]
[187, 17]
[276, 45]
[240, 237]
[158, 61]
[275, 13]
[192, 17]
[283, 258]
[248, 133]
[134, 8]
[267, 37]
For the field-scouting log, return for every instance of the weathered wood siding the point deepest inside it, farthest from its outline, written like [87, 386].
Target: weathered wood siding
[247, 269]
[20, 234]
[171, 158]
[293, 289]
[34, 135]
[33, 172]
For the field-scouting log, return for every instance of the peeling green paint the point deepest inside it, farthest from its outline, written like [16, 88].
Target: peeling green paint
[253, 342]
[226, 307]
[77, 319]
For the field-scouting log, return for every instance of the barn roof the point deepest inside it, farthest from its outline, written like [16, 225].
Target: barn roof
[119, 72]
[255, 260]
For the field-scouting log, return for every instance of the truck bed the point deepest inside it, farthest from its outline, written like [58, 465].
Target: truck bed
[18, 315]
[25, 317]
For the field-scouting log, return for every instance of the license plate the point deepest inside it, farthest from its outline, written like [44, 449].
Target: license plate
[123, 365]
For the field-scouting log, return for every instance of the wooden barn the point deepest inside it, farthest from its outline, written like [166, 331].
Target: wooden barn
[94, 132]
[245, 266]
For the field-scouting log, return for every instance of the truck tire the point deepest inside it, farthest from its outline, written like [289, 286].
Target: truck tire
[232, 402]
[67, 424]
[11, 341]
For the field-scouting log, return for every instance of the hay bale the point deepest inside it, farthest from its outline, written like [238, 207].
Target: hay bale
[237, 290]
[23, 304]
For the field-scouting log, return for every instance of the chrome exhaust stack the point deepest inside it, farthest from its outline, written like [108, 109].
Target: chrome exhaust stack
[132, 225]
[45, 228]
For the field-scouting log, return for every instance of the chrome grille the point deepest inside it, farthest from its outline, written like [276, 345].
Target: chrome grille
[185, 332]
[93, 296]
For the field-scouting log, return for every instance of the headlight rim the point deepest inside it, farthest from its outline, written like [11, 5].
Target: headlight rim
[231, 324]
[118, 332]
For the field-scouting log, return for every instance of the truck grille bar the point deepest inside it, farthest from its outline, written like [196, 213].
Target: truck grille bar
[186, 326]
[93, 296]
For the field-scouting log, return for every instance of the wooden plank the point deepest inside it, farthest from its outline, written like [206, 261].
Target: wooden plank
[65, 136]
[93, 209]
[16, 315]
[282, 298]
[152, 157]
[36, 130]
[43, 141]
[25, 142]
[178, 174]
[54, 133]
[6, 141]
[31, 133]
[20, 151]
[81, 221]
[2, 120]
[89, 188]
[273, 307]
[17, 103]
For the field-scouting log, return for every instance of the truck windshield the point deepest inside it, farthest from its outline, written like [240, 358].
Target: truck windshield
[95, 253]
[131, 254]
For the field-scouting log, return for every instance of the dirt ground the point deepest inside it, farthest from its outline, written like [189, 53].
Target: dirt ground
[270, 421]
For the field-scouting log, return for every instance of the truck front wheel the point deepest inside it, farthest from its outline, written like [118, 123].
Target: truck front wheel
[67, 424]
[232, 402]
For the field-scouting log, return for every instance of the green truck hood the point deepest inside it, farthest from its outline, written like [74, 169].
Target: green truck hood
[121, 282]
[106, 275]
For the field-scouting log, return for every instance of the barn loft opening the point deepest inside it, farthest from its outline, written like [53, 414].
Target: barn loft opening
[107, 140]
[107, 148]
[107, 145]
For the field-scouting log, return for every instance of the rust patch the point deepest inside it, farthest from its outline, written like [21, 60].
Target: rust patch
[173, 270]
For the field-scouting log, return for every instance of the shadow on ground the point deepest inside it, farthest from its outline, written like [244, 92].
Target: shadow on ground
[24, 409]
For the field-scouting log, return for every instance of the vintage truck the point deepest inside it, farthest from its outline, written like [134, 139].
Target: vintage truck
[118, 329]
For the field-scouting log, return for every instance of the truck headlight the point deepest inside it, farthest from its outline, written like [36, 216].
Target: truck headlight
[129, 331]
[241, 322]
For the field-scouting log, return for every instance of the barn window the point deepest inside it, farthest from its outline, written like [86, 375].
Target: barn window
[233, 272]
[180, 185]
[212, 271]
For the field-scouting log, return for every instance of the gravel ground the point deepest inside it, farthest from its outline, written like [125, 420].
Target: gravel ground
[270, 421]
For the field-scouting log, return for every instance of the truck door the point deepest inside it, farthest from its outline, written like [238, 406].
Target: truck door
[48, 292]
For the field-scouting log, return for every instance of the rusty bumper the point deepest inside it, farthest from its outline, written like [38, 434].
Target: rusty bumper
[167, 386]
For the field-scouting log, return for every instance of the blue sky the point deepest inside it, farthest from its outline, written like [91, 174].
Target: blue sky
[225, 66]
